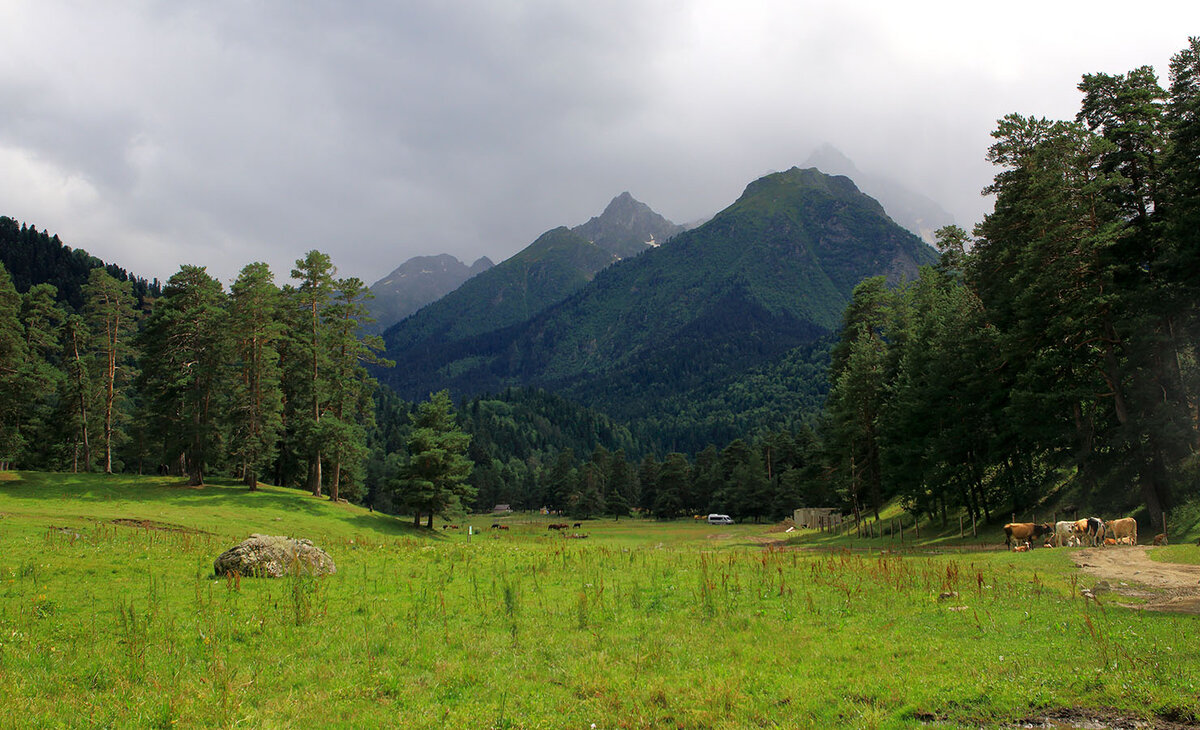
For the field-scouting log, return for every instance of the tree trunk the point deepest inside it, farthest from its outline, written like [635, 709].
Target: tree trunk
[87, 449]
[195, 473]
[314, 475]
[110, 395]
[337, 476]
[250, 479]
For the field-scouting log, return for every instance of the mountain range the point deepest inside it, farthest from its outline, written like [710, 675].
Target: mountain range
[554, 265]
[415, 283]
[560, 262]
[769, 274]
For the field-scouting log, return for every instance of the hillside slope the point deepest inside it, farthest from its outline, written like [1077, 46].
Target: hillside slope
[771, 272]
[35, 257]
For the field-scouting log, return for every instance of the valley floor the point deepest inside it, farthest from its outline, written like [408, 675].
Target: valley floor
[110, 617]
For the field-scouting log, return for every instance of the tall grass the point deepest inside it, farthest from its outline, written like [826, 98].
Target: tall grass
[672, 626]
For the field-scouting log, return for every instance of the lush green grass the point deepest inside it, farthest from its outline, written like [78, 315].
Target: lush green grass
[642, 624]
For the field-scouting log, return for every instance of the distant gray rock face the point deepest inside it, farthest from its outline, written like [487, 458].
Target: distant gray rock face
[273, 556]
[415, 283]
[627, 227]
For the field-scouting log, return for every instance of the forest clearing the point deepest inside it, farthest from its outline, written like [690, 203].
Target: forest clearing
[110, 615]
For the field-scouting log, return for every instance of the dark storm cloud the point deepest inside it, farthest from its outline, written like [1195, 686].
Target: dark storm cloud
[158, 133]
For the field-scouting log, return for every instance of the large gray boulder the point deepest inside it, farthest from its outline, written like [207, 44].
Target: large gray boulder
[273, 556]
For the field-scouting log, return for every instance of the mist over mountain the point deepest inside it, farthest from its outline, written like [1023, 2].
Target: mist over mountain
[768, 274]
[417, 282]
[545, 272]
[916, 212]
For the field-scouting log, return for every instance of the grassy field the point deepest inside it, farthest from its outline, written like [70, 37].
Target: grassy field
[110, 616]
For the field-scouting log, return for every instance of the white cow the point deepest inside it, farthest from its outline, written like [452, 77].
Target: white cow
[1063, 532]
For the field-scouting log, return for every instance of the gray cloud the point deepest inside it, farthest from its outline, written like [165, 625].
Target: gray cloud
[159, 133]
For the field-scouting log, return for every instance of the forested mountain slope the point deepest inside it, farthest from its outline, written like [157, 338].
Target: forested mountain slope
[35, 257]
[771, 272]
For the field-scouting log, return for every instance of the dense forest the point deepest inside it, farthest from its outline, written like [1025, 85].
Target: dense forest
[35, 257]
[260, 382]
[1053, 354]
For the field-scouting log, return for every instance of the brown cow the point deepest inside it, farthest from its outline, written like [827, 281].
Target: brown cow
[1082, 533]
[1160, 538]
[1022, 531]
[1122, 528]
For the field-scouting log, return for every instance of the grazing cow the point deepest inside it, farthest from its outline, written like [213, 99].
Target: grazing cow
[1122, 528]
[1022, 531]
[577, 524]
[1063, 532]
[1160, 538]
[557, 526]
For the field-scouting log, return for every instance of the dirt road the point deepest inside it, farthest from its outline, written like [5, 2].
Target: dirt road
[1130, 572]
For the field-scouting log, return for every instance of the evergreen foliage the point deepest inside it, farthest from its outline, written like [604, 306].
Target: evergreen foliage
[1059, 350]
[434, 480]
[35, 257]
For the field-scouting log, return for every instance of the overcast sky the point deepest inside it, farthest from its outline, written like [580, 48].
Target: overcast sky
[223, 132]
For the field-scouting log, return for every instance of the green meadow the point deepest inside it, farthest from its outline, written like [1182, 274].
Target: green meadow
[110, 617]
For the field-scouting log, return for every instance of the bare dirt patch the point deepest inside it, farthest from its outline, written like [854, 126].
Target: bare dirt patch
[1101, 720]
[152, 525]
[1129, 571]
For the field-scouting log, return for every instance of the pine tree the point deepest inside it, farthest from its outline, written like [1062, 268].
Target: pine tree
[186, 352]
[315, 273]
[77, 390]
[12, 357]
[256, 404]
[350, 404]
[434, 481]
[108, 307]
[42, 318]
[674, 481]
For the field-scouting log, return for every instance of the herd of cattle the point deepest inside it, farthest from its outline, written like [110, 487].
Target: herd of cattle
[1093, 531]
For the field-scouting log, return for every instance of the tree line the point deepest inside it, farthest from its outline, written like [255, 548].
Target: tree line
[1057, 346]
[261, 382]
[534, 450]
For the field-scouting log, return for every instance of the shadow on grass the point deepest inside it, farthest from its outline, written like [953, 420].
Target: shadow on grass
[216, 495]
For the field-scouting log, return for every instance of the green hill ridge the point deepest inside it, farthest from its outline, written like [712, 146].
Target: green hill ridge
[770, 273]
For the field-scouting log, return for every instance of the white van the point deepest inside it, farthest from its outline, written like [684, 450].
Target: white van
[720, 520]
